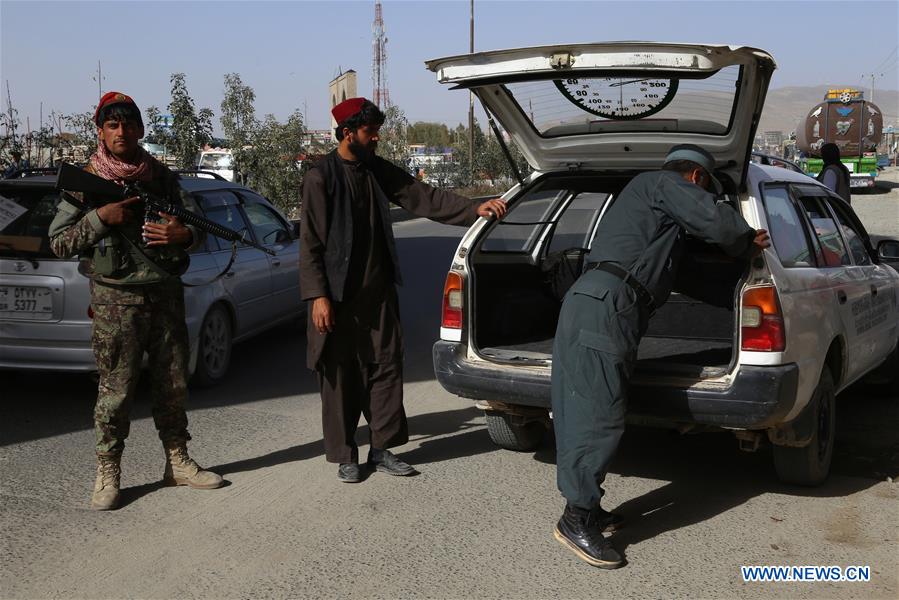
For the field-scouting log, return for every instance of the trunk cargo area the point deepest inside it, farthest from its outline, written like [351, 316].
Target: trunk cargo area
[517, 308]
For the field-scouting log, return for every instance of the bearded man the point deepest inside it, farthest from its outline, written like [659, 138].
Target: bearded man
[349, 271]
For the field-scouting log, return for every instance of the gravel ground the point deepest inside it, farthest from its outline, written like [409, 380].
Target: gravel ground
[879, 209]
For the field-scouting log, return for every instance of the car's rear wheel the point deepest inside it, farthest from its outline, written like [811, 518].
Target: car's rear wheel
[214, 352]
[511, 435]
[810, 465]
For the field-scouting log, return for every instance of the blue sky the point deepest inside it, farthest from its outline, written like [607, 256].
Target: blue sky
[289, 50]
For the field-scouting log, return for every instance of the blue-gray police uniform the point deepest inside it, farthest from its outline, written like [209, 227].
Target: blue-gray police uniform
[602, 318]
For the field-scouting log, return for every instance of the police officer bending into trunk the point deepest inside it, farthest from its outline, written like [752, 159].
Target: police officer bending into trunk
[639, 244]
[136, 296]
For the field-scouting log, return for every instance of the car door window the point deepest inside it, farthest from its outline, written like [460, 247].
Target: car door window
[521, 227]
[851, 232]
[576, 224]
[269, 229]
[786, 228]
[833, 250]
[223, 208]
[230, 217]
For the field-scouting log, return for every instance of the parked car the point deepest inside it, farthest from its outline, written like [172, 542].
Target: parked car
[45, 316]
[220, 162]
[776, 161]
[756, 347]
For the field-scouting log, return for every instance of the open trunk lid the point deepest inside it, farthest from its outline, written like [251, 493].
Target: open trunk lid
[619, 105]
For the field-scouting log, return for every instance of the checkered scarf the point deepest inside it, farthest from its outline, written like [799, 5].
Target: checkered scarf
[108, 166]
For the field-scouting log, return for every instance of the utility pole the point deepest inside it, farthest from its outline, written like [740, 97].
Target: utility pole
[11, 123]
[99, 79]
[471, 95]
[872, 76]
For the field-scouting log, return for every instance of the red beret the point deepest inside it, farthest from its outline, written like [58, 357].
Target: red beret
[347, 109]
[113, 98]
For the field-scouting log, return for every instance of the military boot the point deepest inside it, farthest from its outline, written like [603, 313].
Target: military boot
[106, 488]
[580, 531]
[181, 469]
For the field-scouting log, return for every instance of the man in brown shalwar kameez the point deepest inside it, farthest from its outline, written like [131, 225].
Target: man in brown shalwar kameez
[348, 273]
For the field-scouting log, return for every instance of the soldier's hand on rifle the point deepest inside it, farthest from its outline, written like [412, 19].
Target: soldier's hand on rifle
[322, 315]
[172, 231]
[117, 213]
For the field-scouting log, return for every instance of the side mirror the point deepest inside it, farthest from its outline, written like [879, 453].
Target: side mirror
[888, 250]
[282, 237]
[295, 229]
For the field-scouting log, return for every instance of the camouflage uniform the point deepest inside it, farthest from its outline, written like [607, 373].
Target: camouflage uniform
[136, 310]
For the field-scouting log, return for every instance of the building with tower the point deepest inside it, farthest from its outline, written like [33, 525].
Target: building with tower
[339, 89]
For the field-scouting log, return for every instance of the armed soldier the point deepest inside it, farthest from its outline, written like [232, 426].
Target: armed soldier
[137, 298]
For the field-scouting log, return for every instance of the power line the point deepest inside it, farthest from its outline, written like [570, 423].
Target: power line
[890, 66]
[896, 47]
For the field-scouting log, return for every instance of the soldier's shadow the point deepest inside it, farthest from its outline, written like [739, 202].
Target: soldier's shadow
[134, 493]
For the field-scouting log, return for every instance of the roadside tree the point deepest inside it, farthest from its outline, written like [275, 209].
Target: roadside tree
[238, 119]
[272, 160]
[190, 129]
[432, 135]
[394, 144]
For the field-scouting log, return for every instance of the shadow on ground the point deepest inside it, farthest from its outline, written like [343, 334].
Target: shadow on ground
[271, 365]
[426, 429]
[708, 475]
[881, 186]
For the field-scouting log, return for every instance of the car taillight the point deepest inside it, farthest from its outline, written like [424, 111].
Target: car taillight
[761, 321]
[452, 302]
[90, 311]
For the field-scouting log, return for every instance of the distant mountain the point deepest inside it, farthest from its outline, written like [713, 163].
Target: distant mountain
[785, 107]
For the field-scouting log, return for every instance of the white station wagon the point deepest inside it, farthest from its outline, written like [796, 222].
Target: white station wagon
[759, 347]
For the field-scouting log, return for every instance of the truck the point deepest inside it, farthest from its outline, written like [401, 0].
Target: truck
[854, 124]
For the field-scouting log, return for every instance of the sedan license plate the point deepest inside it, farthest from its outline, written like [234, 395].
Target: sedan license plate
[25, 302]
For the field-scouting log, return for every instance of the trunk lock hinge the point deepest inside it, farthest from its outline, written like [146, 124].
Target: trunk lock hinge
[561, 60]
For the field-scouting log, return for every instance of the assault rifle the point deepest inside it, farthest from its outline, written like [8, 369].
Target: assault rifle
[103, 191]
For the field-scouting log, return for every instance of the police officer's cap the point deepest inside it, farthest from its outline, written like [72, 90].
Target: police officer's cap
[695, 154]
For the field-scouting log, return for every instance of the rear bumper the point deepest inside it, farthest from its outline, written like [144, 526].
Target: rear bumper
[74, 356]
[757, 398]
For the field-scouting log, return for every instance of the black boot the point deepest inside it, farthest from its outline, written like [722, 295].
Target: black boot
[349, 472]
[386, 461]
[580, 530]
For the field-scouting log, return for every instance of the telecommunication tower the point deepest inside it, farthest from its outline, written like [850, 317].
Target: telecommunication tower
[380, 94]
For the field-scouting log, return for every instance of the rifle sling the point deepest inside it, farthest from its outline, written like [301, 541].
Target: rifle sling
[146, 259]
[160, 271]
